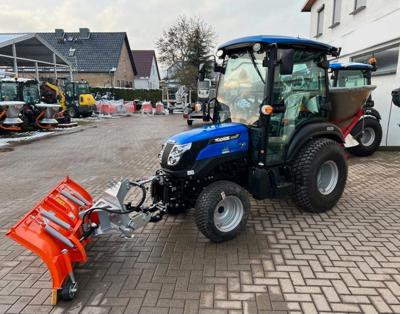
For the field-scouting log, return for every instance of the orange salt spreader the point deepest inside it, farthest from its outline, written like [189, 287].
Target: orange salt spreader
[59, 227]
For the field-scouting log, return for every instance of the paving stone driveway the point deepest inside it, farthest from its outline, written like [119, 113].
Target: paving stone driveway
[346, 260]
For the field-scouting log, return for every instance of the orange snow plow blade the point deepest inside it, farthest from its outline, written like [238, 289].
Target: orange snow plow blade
[53, 231]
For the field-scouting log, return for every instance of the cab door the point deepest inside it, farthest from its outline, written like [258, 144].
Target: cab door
[298, 98]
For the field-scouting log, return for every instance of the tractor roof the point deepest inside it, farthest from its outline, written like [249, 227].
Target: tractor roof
[282, 40]
[350, 66]
[18, 80]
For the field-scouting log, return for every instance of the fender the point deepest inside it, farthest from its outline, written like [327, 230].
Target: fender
[372, 112]
[309, 131]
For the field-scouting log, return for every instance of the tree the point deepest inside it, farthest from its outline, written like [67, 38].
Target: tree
[186, 43]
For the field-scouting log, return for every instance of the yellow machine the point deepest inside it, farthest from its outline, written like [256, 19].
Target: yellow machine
[79, 101]
[59, 94]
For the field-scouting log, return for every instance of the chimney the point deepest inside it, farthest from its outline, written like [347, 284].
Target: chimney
[59, 34]
[84, 33]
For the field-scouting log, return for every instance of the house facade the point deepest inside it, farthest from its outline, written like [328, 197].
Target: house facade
[148, 75]
[104, 59]
[365, 28]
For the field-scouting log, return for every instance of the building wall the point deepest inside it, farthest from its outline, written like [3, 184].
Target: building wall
[94, 79]
[124, 75]
[371, 30]
[151, 82]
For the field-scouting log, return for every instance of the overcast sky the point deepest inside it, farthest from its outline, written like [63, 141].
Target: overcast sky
[144, 20]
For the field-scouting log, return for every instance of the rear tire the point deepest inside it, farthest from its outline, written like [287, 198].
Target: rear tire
[222, 210]
[189, 122]
[369, 140]
[320, 173]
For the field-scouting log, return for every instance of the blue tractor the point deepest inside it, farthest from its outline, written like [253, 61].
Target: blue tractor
[364, 126]
[271, 137]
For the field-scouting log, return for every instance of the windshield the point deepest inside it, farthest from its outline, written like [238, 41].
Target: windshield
[241, 88]
[31, 94]
[83, 88]
[9, 91]
[351, 78]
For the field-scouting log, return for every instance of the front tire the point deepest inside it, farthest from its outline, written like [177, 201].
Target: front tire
[73, 112]
[320, 173]
[222, 210]
[369, 139]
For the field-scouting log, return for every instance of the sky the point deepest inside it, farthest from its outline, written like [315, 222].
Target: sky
[145, 20]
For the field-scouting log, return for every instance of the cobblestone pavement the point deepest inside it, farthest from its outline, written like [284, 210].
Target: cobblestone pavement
[346, 260]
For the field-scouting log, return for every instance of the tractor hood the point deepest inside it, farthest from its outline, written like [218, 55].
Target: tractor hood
[182, 150]
[208, 132]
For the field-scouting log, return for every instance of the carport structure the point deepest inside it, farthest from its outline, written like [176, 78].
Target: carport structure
[30, 54]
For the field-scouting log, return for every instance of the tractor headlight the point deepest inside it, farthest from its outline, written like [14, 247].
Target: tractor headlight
[161, 153]
[176, 153]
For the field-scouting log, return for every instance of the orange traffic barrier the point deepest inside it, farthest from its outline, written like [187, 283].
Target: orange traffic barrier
[160, 108]
[147, 108]
[53, 231]
[130, 107]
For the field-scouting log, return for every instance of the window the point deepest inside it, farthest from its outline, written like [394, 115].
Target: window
[320, 21]
[386, 60]
[337, 5]
[302, 94]
[352, 78]
[358, 6]
[241, 87]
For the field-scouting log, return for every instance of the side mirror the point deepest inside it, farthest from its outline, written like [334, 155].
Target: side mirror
[396, 97]
[286, 62]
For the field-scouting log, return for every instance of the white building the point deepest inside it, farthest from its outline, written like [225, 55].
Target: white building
[364, 28]
[148, 75]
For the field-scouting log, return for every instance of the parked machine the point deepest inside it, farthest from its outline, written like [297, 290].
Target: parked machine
[273, 134]
[364, 126]
[10, 105]
[79, 100]
[199, 109]
[52, 94]
[25, 111]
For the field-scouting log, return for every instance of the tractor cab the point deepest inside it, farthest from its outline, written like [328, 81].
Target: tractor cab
[350, 74]
[80, 101]
[274, 85]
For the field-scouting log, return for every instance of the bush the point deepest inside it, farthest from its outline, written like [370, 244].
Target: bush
[153, 95]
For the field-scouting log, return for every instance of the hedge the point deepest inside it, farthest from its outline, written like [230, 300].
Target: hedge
[153, 95]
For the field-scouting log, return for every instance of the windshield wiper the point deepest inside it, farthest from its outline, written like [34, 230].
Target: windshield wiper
[253, 60]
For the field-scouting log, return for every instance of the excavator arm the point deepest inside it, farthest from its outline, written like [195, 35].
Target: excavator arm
[60, 95]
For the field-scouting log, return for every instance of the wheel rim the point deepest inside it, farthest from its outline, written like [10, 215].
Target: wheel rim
[228, 213]
[367, 137]
[328, 176]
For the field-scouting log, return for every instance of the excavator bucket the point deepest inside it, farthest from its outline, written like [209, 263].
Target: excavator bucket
[53, 231]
